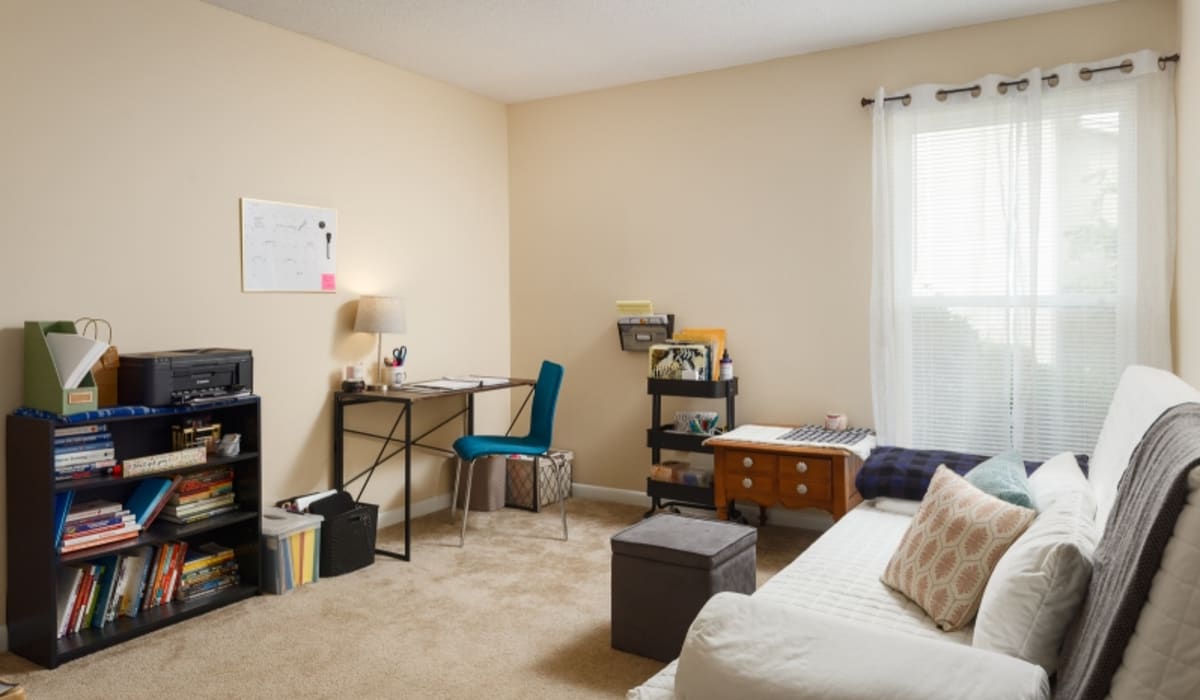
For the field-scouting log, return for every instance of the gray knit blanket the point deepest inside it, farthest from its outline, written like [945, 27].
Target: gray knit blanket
[1150, 497]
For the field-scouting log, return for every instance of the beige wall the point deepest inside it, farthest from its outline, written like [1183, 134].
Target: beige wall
[737, 198]
[1187, 286]
[130, 129]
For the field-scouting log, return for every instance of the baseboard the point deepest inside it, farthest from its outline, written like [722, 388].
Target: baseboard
[420, 508]
[808, 519]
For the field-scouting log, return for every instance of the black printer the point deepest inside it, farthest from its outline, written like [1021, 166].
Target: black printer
[185, 377]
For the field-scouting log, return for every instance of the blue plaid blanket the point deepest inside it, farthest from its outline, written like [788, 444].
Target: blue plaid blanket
[900, 472]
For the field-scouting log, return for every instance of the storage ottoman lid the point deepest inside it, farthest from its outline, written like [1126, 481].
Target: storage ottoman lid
[674, 539]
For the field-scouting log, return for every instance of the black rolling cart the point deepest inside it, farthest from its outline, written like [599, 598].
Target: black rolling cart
[660, 437]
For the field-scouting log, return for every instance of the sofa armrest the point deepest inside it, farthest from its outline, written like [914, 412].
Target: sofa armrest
[743, 647]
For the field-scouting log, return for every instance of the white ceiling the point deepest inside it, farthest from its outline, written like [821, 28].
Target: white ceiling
[517, 50]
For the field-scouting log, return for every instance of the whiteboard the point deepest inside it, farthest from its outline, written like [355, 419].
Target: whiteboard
[288, 247]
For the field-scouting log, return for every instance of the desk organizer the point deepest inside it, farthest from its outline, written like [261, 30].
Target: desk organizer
[42, 387]
[638, 333]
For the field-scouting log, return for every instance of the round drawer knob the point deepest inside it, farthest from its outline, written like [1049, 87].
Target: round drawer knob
[747, 462]
[801, 467]
[801, 489]
[747, 483]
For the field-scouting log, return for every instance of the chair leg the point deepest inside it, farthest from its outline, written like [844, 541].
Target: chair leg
[454, 497]
[462, 535]
[561, 473]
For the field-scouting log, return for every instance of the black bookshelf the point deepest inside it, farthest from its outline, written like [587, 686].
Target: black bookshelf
[34, 562]
[661, 437]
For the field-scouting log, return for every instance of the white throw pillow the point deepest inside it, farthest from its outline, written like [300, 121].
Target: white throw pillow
[1039, 584]
[1057, 476]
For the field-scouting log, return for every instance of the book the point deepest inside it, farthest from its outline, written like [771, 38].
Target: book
[62, 505]
[120, 569]
[162, 502]
[89, 509]
[199, 506]
[84, 591]
[209, 588]
[88, 438]
[73, 356]
[85, 620]
[174, 575]
[218, 488]
[101, 539]
[74, 430]
[154, 583]
[93, 524]
[147, 497]
[60, 450]
[86, 471]
[97, 532]
[73, 458]
[197, 517]
[67, 588]
[136, 583]
[208, 554]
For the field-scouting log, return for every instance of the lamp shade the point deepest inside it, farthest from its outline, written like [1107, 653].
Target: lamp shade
[378, 314]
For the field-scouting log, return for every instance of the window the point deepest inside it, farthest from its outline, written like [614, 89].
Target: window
[1013, 238]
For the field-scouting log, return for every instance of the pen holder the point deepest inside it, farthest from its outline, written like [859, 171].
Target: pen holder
[396, 376]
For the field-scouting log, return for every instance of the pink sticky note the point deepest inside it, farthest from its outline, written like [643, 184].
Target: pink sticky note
[327, 283]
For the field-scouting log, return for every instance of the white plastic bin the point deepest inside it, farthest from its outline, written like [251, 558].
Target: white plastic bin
[291, 549]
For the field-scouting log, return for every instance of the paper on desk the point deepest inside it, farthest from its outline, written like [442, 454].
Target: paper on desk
[477, 380]
[448, 384]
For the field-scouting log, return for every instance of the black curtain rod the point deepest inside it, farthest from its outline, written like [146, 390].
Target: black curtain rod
[1125, 66]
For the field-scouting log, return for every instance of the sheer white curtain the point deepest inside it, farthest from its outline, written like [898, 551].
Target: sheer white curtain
[1023, 255]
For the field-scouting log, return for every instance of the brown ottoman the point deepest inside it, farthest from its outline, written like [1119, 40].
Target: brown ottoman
[664, 569]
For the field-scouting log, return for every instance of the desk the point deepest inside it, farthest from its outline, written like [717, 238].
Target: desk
[404, 398]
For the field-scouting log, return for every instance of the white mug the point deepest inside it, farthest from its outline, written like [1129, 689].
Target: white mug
[835, 421]
[397, 375]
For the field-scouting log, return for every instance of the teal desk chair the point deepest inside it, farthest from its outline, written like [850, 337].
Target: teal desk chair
[536, 444]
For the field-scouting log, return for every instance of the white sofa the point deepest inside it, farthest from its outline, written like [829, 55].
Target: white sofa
[826, 627]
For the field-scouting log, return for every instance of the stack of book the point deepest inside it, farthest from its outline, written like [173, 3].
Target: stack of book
[95, 523]
[83, 450]
[208, 569]
[200, 496]
[162, 577]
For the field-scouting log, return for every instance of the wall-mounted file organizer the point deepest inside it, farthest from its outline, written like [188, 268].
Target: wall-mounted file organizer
[43, 390]
[638, 333]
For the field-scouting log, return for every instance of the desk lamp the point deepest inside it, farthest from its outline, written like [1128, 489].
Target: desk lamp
[379, 315]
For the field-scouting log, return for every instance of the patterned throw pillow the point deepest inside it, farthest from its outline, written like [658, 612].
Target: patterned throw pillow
[951, 546]
[1003, 476]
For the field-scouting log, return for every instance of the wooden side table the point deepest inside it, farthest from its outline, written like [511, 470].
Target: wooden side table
[790, 476]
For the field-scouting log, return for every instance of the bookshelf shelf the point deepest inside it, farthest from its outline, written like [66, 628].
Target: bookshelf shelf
[123, 629]
[34, 563]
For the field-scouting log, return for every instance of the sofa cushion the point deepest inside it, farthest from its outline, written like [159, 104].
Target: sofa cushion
[904, 473]
[745, 647]
[1039, 584]
[1141, 397]
[1060, 476]
[1003, 476]
[951, 547]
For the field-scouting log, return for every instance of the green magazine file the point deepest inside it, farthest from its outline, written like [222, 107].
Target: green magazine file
[42, 388]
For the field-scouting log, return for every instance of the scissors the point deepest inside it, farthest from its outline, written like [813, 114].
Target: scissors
[398, 355]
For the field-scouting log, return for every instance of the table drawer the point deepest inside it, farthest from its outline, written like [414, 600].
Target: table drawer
[805, 481]
[760, 488]
[733, 463]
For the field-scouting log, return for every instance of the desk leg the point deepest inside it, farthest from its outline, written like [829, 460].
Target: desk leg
[407, 483]
[470, 414]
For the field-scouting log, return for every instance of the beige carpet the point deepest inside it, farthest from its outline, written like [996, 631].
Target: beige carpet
[518, 613]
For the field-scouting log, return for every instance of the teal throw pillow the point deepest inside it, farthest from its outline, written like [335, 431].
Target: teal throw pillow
[1003, 476]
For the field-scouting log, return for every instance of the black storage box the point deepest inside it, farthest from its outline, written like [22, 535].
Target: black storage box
[347, 535]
